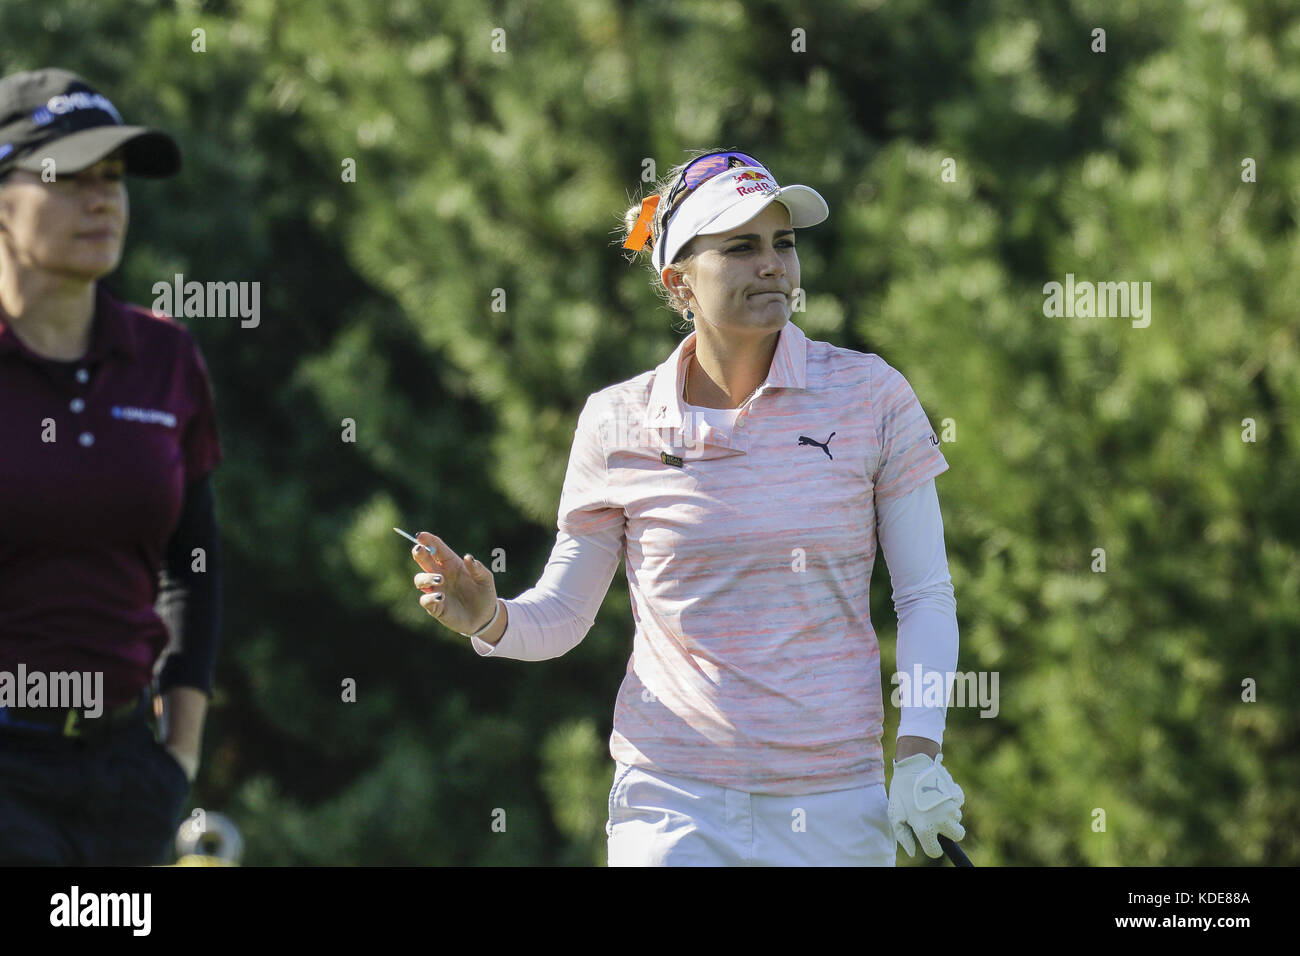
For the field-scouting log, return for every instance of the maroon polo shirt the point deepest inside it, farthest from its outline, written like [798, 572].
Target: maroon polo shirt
[85, 518]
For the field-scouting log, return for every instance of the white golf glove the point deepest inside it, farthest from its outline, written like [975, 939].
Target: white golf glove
[924, 800]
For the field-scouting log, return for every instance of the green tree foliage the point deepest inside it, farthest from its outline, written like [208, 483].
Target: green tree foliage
[970, 154]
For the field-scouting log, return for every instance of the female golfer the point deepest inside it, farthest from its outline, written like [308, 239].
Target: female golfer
[747, 479]
[107, 438]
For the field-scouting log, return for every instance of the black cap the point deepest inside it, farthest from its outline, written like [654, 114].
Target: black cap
[55, 114]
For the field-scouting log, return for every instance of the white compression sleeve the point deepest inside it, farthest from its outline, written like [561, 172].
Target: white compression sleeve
[910, 532]
[552, 617]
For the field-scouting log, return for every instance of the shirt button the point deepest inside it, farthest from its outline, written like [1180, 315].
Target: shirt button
[86, 439]
[83, 376]
[740, 423]
[77, 405]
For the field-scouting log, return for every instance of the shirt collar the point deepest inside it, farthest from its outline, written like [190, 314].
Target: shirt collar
[111, 333]
[666, 408]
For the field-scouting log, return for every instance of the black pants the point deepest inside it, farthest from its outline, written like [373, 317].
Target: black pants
[64, 802]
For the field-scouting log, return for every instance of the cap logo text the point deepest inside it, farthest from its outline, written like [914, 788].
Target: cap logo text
[71, 102]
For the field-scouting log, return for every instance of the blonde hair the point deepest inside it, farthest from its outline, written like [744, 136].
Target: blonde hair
[682, 260]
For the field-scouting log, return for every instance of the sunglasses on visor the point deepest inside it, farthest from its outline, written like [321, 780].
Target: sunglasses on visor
[701, 170]
[697, 171]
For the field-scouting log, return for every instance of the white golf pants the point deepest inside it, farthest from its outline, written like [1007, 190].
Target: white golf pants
[657, 819]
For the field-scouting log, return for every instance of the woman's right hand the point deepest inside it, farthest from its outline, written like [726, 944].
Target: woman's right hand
[459, 592]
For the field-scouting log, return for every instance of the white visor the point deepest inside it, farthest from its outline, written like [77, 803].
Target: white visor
[731, 199]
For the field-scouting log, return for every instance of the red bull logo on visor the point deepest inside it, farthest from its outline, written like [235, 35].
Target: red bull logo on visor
[753, 182]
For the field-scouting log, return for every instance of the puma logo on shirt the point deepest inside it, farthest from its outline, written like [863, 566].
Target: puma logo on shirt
[805, 440]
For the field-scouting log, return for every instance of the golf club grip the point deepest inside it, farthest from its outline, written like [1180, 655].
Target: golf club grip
[954, 852]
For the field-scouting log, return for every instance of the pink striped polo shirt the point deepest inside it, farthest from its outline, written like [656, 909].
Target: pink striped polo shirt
[748, 554]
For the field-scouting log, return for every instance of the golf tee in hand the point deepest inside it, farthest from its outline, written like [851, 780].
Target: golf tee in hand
[460, 593]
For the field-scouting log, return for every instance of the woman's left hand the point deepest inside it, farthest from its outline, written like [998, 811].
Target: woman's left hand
[924, 802]
[189, 762]
[182, 726]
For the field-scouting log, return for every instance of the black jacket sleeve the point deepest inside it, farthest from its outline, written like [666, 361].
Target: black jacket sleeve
[189, 600]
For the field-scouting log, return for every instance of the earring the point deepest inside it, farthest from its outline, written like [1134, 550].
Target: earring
[688, 315]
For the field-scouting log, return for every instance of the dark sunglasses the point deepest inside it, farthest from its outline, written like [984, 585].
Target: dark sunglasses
[701, 170]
